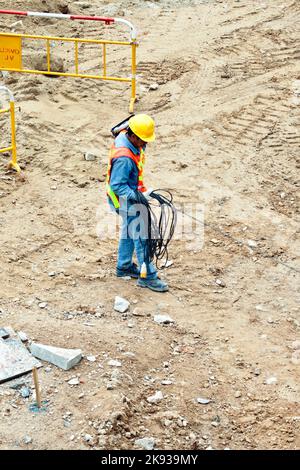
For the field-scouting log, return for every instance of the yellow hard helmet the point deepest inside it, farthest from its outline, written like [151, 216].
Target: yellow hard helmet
[143, 126]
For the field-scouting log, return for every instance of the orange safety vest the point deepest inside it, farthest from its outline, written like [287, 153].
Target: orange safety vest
[139, 160]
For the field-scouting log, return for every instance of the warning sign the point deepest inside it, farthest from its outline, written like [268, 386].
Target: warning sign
[10, 52]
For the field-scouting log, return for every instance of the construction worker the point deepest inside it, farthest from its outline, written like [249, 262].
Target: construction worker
[124, 186]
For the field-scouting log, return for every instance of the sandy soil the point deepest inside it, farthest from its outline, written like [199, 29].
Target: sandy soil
[227, 113]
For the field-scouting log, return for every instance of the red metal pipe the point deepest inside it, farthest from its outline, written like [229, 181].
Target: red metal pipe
[14, 12]
[93, 18]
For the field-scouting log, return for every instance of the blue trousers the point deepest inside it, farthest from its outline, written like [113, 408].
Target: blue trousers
[133, 237]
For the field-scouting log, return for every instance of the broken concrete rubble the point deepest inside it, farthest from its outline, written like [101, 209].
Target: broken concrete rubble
[60, 357]
[15, 359]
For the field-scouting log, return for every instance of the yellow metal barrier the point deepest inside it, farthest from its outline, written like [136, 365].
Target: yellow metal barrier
[13, 148]
[11, 51]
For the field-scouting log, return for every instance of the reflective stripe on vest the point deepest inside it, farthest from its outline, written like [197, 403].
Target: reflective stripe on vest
[139, 160]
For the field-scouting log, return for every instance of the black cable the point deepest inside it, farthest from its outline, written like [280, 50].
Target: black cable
[160, 227]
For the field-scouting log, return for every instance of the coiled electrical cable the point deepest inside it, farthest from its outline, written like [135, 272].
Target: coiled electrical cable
[161, 219]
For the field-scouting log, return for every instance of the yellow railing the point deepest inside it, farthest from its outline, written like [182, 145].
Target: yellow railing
[12, 59]
[13, 148]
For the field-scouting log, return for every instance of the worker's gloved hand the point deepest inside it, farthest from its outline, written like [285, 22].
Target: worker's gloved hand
[147, 193]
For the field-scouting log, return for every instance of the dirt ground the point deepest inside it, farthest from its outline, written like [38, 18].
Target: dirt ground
[222, 81]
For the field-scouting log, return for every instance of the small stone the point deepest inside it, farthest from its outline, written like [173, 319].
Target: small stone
[147, 443]
[139, 312]
[169, 263]
[27, 440]
[203, 401]
[158, 396]
[25, 392]
[52, 274]
[74, 381]
[252, 243]
[43, 304]
[121, 305]
[91, 358]
[166, 382]
[220, 283]
[238, 394]
[48, 369]
[53, 188]
[257, 371]
[88, 438]
[163, 319]
[153, 86]
[296, 344]
[271, 380]
[89, 157]
[114, 363]
[130, 324]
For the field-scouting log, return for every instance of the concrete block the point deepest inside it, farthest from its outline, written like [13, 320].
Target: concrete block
[60, 357]
[15, 359]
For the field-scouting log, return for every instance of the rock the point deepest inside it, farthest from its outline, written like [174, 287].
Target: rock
[158, 396]
[60, 357]
[52, 274]
[114, 363]
[27, 440]
[121, 305]
[271, 380]
[48, 369]
[89, 439]
[25, 392]
[166, 382]
[220, 283]
[43, 304]
[252, 243]
[15, 359]
[203, 401]
[153, 86]
[169, 263]
[163, 319]
[139, 312]
[90, 157]
[74, 381]
[91, 358]
[23, 337]
[147, 443]
[238, 394]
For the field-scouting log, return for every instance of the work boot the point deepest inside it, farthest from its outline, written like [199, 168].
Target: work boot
[154, 284]
[133, 271]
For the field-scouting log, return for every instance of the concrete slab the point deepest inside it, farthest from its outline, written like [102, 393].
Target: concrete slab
[60, 357]
[15, 359]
